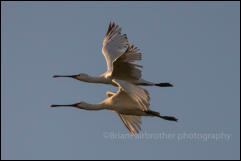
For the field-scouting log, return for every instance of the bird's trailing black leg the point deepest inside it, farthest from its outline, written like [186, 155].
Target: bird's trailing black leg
[157, 114]
[164, 84]
[169, 118]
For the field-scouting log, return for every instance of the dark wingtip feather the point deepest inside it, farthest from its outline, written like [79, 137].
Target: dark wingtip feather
[111, 26]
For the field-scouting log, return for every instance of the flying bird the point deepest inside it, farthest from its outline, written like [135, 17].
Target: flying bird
[121, 60]
[130, 103]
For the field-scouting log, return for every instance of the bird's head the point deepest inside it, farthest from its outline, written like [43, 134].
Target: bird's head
[81, 76]
[80, 104]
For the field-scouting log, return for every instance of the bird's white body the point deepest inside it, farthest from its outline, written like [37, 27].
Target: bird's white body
[122, 103]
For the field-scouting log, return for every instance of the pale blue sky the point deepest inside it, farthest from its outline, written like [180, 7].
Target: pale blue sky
[194, 45]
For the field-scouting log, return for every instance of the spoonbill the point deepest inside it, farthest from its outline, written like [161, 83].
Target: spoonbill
[130, 103]
[120, 63]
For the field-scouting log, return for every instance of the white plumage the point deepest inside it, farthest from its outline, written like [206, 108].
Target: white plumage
[130, 103]
[121, 60]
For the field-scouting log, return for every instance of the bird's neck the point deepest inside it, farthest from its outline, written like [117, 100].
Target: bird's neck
[95, 107]
[93, 79]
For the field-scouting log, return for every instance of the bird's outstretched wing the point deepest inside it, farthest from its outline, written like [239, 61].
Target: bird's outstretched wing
[125, 67]
[133, 123]
[138, 94]
[113, 45]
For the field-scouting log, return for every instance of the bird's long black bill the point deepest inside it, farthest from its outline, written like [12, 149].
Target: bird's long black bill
[68, 76]
[72, 105]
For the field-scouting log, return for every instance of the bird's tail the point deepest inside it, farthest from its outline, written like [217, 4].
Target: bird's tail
[164, 84]
[157, 114]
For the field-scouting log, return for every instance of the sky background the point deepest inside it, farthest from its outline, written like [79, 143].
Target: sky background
[194, 45]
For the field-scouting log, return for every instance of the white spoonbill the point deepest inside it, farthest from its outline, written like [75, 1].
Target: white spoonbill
[120, 58]
[130, 103]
